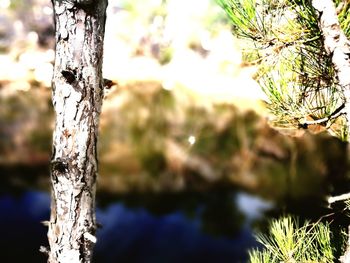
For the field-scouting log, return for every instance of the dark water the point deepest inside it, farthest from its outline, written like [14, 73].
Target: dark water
[204, 231]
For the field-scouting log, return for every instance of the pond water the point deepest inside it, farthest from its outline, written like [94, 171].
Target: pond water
[204, 231]
[216, 225]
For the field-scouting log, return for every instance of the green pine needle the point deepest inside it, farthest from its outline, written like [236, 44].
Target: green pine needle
[287, 241]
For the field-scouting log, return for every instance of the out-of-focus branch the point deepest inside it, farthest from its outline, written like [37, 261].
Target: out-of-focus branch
[338, 198]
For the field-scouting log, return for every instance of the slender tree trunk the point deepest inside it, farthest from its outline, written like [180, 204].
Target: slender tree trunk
[338, 47]
[77, 88]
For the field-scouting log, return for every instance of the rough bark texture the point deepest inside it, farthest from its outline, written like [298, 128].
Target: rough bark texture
[337, 45]
[77, 98]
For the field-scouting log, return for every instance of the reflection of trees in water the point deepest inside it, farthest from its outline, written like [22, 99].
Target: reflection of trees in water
[145, 145]
[18, 178]
[216, 212]
[25, 126]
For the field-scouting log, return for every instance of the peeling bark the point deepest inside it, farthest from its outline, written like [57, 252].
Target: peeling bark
[337, 46]
[77, 91]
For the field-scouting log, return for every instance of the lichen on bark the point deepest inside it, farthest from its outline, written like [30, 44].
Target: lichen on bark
[77, 90]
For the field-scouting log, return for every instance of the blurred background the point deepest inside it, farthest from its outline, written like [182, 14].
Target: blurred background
[189, 167]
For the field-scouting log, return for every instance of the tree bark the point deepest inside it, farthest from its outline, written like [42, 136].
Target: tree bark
[77, 91]
[337, 46]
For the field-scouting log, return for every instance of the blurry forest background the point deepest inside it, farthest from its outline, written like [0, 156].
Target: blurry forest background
[186, 121]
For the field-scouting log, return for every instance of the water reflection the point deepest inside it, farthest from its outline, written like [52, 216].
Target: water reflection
[210, 226]
[21, 233]
[138, 236]
[133, 231]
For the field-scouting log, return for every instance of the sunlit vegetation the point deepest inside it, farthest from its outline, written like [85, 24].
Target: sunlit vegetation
[288, 241]
[284, 41]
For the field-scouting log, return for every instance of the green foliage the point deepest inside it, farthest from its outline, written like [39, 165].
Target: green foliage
[343, 8]
[165, 55]
[256, 256]
[290, 242]
[243, 17]
[294, 70]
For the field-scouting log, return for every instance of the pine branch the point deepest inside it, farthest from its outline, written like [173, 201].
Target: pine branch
[295, 68]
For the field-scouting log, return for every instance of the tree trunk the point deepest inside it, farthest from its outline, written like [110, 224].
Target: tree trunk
[338, 46]
[77, 90]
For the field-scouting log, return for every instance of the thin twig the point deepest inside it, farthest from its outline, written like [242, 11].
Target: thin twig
[333, 115]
